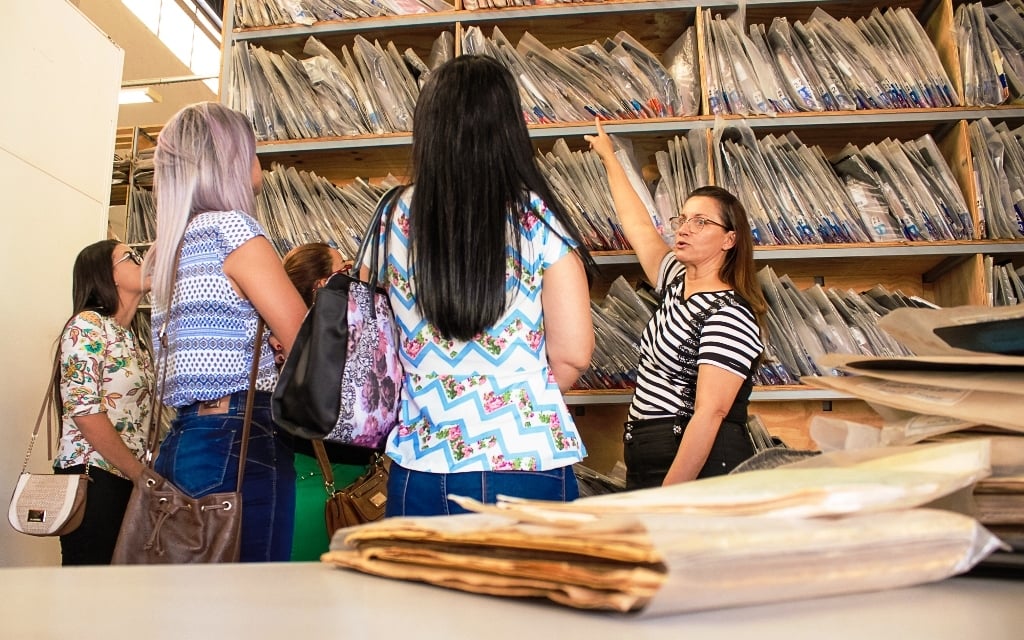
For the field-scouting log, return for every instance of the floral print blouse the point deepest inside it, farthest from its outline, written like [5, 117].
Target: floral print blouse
[102, 370]
[491, 403]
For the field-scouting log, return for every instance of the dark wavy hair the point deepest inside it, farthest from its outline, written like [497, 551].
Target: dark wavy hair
[472, 164]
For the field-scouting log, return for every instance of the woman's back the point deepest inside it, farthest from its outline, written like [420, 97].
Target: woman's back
[488, 403]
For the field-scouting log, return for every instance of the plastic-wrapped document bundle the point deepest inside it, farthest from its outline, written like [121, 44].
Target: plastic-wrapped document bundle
[680, 60]
[866, 191]
[297, 207]
[265, 13]
[1006, 26]
[899, 39]
[371, 89]
[761, 536]
[887, 191]
[682, 168]
[998, 155]
[617, 79]
[579, 179]
[739, 93]
[619, 320]
[501, 4]
[905, 191]
[141, 216]
[805, 325]
[580, 182]
[883, 61]
[802, 82]
[1007, 285]
[982, 61]
[120, 168]
[790, 192]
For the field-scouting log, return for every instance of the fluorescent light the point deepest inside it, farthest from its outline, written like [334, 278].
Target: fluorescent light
[138, 95]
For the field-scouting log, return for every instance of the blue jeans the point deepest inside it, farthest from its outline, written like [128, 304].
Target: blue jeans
[418, 493]
[200, 456]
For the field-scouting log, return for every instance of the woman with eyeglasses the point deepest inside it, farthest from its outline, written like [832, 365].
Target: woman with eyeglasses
[103, 391]
[697, 354]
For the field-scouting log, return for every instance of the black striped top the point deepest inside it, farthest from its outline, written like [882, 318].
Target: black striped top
[715, 328]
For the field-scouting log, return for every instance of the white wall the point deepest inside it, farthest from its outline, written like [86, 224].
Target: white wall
[58, 117]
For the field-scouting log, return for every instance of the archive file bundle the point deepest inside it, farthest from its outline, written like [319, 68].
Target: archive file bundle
[837, 526]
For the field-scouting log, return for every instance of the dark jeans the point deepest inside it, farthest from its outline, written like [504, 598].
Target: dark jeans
[200, 456]
[105, 503]
[417, 493]
[652, 446]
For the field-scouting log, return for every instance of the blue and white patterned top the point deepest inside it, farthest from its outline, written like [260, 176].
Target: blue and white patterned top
[211, 329]
[489, 404]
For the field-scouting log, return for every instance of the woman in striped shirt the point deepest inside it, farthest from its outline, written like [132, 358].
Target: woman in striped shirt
[697, 354]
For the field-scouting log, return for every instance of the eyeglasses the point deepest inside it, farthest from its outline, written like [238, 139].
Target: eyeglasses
[696, 223]
[132, 255]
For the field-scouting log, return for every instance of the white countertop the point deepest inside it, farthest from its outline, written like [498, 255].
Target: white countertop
[295, 601]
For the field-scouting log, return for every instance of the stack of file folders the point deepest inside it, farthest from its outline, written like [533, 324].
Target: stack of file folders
[967, 382]
[831, 526]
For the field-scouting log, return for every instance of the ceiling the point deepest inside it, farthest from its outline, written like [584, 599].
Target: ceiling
[145, 57]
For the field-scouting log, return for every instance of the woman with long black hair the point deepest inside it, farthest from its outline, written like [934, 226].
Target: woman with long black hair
[487, 280]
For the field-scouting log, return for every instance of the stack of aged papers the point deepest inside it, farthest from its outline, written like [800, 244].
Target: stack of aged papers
[843, 526]
[966, 383]
[977, 382]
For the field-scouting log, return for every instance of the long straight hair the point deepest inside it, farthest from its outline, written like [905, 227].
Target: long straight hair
[92, 280]
[203, 162]
[473, 167]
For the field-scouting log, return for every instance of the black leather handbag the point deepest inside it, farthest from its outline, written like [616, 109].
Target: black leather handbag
[343, 376]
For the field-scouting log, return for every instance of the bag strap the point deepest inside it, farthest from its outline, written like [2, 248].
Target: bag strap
[250, 397]
[46, 409]
[49, 409]
[372, 238]
[325, 465]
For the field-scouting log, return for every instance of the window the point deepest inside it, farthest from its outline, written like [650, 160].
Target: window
[187, 32]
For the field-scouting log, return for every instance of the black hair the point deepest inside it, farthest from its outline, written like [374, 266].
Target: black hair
[473, 167]
[92, 284]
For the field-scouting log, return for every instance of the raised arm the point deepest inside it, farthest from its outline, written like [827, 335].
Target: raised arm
[636, 223]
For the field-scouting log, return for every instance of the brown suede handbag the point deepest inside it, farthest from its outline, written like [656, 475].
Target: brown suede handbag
[164, 525]
[362, 501]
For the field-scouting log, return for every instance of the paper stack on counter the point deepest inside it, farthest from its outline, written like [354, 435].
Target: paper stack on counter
[848, 525]
[967, 382]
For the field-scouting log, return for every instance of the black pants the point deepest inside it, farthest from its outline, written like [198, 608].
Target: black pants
[105, 503]
[651, 446]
